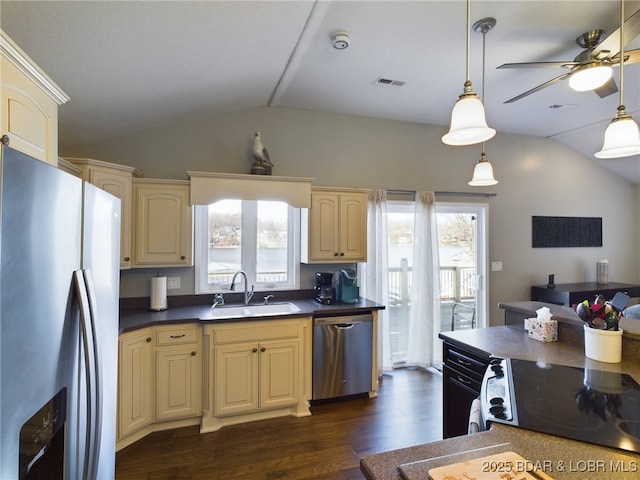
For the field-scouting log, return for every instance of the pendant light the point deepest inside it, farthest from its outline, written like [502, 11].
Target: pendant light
[622, 138]
[483, 171]
[468, 123]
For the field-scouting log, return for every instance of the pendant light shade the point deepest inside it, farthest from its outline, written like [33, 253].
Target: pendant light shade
[590, 76]
[621, 139]
[483, 173]
[468, 123]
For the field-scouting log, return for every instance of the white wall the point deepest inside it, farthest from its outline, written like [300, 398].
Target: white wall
[537, 177]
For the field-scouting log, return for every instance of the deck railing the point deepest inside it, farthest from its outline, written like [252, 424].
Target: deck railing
[456, 284]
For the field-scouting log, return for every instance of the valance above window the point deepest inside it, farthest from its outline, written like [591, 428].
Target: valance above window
[207, 188]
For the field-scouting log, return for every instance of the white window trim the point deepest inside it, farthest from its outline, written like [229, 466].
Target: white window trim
[201, 285]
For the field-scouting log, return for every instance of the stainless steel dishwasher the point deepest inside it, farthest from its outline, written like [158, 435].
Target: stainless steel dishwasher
[342, 355]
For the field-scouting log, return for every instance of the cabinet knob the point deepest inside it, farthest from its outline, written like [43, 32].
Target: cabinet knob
[182, 257]
[335, 254]
[342, 254]
[193, 354]
[148, 339]
[254, 350]
[126, 259]
[263, 349]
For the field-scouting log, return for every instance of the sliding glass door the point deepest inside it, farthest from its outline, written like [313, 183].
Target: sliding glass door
[462, 272]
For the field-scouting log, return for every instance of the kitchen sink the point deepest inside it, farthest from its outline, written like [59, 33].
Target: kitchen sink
[254, 310]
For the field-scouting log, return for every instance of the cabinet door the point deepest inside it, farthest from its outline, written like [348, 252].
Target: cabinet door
[29, 114]
[136, 386]
[279, 364]
[459, 392]
[118, 185]
[353, 227]
[163, 225]
[325, 237]
[178, 382]
[236, 379]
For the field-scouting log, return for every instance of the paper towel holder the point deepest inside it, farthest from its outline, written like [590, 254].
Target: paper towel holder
[158, 297]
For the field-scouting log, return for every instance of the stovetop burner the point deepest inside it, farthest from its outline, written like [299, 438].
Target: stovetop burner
[583, 404]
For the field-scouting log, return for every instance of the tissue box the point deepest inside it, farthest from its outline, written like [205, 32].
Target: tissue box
[542, 330]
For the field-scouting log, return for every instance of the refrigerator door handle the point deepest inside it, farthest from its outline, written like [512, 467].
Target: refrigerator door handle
[87, 339]
[97, 378]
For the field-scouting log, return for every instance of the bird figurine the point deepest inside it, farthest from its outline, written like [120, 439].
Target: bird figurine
[261, 156]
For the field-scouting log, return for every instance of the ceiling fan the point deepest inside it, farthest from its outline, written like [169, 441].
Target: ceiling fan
[599, 54]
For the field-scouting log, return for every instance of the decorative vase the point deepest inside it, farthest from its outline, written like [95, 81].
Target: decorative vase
[603, 345]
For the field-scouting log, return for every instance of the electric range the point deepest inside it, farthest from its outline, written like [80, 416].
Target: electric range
[583, 404]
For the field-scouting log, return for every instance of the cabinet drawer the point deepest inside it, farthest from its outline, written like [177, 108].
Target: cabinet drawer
[176, 335]
[465, 363]
[255, 331]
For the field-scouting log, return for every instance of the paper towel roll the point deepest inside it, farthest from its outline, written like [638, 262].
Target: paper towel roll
[159, 293]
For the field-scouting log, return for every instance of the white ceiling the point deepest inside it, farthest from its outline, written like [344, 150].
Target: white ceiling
[134, 65]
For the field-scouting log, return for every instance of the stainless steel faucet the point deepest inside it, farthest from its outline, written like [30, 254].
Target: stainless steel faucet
[247, 294]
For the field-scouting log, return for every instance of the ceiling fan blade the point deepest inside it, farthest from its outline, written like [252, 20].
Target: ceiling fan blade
[631, 56]
[612, 42]
[609, 88]
[539, 87]
[539, 64]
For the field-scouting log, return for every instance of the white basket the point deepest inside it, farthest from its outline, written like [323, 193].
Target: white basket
[603, 345]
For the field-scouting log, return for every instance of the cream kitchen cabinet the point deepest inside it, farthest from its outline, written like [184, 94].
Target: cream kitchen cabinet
[115, 179]
[163, 223]
[178, 367]
[30, 101]
[135, 382]
[256, 370]
[334, 229]
[159, 380]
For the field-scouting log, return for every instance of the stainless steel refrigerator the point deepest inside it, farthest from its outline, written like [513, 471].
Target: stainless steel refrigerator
[59, 288]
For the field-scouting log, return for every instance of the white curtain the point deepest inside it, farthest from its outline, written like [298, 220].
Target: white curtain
[425, 349]
[374, 275]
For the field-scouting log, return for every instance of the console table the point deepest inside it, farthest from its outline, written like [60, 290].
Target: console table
[573, 293]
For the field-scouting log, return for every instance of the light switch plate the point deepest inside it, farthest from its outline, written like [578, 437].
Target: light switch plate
[173, 283]
[496, 266]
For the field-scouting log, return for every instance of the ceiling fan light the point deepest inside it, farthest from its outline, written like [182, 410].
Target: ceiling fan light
[590, 77]
[483, 173]
[621, 139]
[468, 123]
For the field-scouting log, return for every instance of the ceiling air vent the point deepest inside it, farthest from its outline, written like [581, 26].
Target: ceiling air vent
[389, 81]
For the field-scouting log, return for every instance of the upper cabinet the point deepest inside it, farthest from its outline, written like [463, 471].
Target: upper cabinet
[334, 229]
[115, 179]
[163, 223]
[30, 101]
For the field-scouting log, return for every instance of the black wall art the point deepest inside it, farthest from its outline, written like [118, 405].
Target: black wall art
[554, 232]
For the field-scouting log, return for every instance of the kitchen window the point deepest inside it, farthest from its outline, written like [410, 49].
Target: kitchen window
[260, 237]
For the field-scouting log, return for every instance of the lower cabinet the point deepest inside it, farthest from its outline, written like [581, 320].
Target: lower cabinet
[256, 370]
[178, 378]
[159, 380]
[463, 371]
[135, 382]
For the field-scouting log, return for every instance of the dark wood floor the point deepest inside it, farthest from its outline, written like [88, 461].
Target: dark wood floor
[325, 446]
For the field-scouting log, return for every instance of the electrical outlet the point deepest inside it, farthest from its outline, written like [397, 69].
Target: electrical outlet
[496, 266]
[173, 283]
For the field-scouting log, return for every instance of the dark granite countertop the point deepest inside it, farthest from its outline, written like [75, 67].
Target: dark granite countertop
[559, 453]
[558, 457]
[133, 315]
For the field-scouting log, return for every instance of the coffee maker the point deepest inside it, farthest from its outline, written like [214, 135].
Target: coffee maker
[325, 292]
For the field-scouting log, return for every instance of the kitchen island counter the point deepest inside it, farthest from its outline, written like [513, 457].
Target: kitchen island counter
[512, 341]
[558, 457]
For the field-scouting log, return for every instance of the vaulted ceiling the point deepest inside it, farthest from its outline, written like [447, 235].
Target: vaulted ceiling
[132, 65]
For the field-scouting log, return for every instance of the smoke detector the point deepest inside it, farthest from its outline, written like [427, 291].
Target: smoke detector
[340, 40]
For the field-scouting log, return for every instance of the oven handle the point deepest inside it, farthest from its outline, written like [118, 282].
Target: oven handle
[475, 421]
